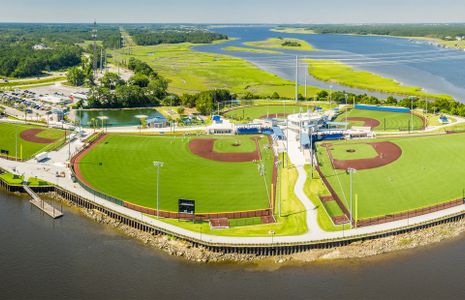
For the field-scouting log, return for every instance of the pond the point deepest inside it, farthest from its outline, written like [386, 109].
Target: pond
[117, 117]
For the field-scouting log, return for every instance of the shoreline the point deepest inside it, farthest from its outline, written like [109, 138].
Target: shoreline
[356, 250]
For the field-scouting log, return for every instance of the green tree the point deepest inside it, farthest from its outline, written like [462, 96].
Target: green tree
[75, 76]
[139, 79]
[111, 80]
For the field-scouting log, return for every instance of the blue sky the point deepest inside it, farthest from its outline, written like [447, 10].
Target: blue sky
[233, 11]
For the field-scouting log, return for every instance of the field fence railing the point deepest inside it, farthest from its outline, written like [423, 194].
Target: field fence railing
[408, 214]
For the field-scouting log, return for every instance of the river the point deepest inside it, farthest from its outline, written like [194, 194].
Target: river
[74, 257]
[413, 63]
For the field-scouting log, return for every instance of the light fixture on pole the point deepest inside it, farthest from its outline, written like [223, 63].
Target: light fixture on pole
[102, 119]
[141, 117]
[351, 171]
[158, 165]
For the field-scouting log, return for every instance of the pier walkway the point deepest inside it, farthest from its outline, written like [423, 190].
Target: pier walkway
[42, 205]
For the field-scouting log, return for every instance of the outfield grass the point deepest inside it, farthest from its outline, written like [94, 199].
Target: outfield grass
[190, 71]
[277, 43]
[258, 111]
[10, 133]
[362, 150]
[291, 222]
[250, 50]
[430, 171]
[228, 145]
[389, 121]
[127, 173]
[340, 73]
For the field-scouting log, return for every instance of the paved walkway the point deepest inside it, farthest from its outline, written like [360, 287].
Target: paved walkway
[58, 159]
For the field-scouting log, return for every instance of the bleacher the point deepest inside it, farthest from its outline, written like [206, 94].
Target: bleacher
[278, 134]
[245, 130]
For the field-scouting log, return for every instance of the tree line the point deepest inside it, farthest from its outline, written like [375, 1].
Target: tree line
[22, 60]
[431, 106]
[156, 37]
[441, 31]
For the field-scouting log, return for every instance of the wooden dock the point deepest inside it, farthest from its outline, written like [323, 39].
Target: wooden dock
[42, 205]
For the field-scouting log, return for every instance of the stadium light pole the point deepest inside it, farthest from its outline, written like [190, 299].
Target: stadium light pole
[296, 79]
[158, 165]
[278, 181]
[311, 152]
[345, 96]
[330, 96]
[16, 143]
[411, 112]
[306, 75]
[102, 119]
[351, 171]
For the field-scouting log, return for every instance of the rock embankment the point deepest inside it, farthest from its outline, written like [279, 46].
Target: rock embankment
[186, 250]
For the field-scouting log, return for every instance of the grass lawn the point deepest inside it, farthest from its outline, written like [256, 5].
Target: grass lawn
[190, 71]
[9, 132]
[32, 81]
[234, 145]
[258, 111]
[333, 208]
[250, 50]
[430, 171]
[127, 173]
[277, 43]
[291, 222]
[362, 150]
[313, 189]
[18, 180]
[337, 72]
[389, 121]
[433, 119]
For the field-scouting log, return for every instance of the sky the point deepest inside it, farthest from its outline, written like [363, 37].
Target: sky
[234, 11]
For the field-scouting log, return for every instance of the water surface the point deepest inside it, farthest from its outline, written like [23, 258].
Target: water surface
[117, 117]
[74, 257]
[413, 63]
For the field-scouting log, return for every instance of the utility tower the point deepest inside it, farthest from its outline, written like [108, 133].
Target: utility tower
[94, 39]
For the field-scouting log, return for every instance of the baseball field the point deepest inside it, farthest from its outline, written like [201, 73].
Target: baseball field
[205, 169]
[382, 120]
[264, 111]
[395, 175]
[24, 141]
